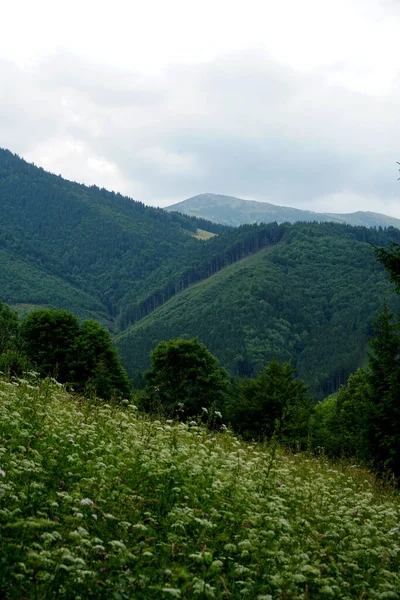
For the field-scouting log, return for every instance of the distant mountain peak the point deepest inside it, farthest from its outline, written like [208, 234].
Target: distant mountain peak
[229, 210]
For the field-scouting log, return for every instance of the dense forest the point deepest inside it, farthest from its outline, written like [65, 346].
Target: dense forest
[303, 292]
[310, 299]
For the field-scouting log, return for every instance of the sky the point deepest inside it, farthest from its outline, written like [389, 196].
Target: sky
[294, 103]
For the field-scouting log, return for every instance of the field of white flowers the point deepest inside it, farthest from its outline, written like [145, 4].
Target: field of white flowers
[97, 501]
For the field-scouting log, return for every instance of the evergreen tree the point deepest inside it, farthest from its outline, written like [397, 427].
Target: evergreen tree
[274, 402]
[383, 408]
[390, 258]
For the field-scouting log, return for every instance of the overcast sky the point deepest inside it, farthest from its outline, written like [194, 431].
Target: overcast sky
[292, 102]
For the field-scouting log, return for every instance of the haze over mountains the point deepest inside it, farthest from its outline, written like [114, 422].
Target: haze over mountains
[305, 292]
[232, 211]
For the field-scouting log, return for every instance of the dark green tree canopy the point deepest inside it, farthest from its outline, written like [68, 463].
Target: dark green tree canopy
[185, 377]
[81, 355]
[390, 258]
[274, 402]
[97, 366]
[8, 327]
[48, 338]
[383, 376]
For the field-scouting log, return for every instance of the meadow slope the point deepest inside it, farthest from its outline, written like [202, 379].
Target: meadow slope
[97, 501]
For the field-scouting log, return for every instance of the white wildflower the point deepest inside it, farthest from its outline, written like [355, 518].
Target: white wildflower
[2, 473]
[87, 502]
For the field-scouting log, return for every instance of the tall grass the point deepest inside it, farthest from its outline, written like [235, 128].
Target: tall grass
[97, 501]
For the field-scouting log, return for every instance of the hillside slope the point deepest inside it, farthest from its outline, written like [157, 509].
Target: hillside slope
[310, 298]
[232, 211]
[100, 502]
[78, 247]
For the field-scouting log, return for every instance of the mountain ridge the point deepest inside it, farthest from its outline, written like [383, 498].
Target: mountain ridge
[229, 210]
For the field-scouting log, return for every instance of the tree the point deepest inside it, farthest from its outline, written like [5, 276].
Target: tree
[338, 424]
[383, 409]
[97, 368]
[185, 377]
[81, 355]
[48, 337]
[274, 402]
[8, 328]
[390, 258]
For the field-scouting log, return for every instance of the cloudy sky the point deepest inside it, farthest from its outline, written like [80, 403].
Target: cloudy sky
[291, 102]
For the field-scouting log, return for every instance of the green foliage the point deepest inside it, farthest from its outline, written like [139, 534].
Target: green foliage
[310, 298]
[81, 355]
[8, 328]
[273, 403]
[185, 378]
[96, 366]
[323, 431]
[338, 425]
[13, 363]
[383, 415]
[48, 337]
[99, 502]
[390, 258]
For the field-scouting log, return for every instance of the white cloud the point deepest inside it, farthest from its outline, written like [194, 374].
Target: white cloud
[290, 102]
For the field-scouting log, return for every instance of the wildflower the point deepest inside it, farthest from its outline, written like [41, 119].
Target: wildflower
[224, 427]
[192, 423]
[172, 591]
[2, 473]
[218, 414]
[394, 530]
[87, 502]
[102, 569]
[204, 410]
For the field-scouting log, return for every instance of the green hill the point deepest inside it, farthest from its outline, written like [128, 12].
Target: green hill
[232, 211]
[305, 292]
[310, 298]
[82, 248]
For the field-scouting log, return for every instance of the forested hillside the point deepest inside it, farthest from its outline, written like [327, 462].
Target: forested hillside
[304, 292]
[311, 299]
[83, 248]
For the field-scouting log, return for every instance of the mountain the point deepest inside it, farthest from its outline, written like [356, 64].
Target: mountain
[82, 248]
[311, 298]
[232, 211]
[304, 292]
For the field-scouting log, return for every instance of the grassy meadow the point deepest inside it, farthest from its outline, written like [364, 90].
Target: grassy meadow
[98, 501]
